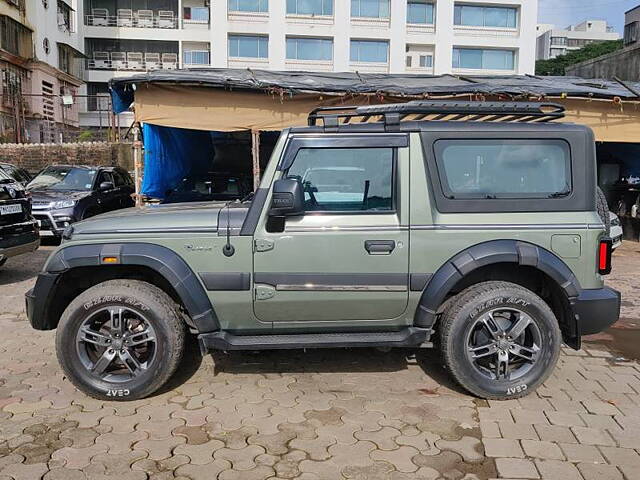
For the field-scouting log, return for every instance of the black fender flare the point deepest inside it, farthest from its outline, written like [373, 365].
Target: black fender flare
[487, 253]
[163, 260]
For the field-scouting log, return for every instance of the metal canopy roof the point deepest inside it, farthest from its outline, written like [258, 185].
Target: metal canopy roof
[384, 84]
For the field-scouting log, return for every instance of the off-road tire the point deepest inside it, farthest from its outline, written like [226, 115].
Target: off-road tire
[603, 210]
[458, 319]
[158, 308]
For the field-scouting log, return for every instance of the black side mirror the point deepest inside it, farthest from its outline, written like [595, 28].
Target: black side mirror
[105, 186]
[287, 199]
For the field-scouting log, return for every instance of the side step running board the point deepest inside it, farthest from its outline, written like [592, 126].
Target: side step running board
[408, 337]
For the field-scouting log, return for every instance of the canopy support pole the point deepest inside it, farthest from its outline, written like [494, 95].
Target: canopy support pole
[255, 156]
[137, 161]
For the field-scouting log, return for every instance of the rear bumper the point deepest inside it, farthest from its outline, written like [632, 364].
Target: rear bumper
[37, 301]
[18, 239]
[597, 310]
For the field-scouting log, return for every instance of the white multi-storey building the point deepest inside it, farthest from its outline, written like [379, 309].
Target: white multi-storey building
[466, 37]
[552, 42]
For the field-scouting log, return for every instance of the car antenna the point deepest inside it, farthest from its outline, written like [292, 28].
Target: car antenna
[228, 250]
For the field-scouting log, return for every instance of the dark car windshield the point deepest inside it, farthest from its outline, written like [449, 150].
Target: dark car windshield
[63, 178]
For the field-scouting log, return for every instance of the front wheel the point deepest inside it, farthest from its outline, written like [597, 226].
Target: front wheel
[120, 340]
[499, 340]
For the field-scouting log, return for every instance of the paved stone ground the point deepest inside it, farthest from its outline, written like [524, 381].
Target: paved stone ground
[357, 414]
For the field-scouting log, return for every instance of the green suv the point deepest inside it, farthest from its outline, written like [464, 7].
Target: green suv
[476, 228]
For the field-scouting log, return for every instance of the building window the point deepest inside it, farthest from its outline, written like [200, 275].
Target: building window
[483, 59]
[195, 57]
[419, 12]
[248, 46]
[15, 38]
[558, 40]
[310, 7]
[484, 16]
[426, 61]
[196, 14]
[369, 51]
[370, 8]
[556, 52]
[64, 17]
[631, 33]
[408, 62]
[309, 48]
[261, 6]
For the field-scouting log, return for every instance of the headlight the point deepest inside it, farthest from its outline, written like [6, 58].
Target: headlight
[64, 204]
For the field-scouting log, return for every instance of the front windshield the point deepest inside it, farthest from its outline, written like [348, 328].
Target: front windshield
[63, 178]
[4, 175]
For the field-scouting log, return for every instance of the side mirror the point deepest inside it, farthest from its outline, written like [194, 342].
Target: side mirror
[105, 186]
[287, 198]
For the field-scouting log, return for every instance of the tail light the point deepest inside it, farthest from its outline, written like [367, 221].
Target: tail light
[604, 256]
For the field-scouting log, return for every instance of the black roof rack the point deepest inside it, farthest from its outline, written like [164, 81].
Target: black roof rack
[437, 110]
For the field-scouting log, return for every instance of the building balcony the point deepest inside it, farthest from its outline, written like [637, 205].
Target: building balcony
[132, 61]
[101, 17]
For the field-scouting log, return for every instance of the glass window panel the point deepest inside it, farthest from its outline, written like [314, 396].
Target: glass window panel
[248, 46]
[467, 58]
[310, 7]
[497, 59]
[249, 5]
[471, 16]
[419, 12]
[426, 61]
[477, 58]
[369, 51]
[345, 179]
[370, 8]
[504, 168]
[309, 49]
[481, 16]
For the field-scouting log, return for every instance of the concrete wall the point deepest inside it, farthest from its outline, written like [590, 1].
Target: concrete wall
[35, 156]
[624, 64]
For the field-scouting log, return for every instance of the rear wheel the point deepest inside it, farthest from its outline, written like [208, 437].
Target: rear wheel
[120, 340]
[499, 340]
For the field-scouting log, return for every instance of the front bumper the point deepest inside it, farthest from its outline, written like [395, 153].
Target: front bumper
[18, 239]
[37, 301]
[53, 222]
[597, 310]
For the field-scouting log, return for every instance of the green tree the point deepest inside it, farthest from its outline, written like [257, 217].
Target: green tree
[557, 66]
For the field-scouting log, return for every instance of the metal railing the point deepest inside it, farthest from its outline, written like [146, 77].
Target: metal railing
[133, 19]
[135, 61]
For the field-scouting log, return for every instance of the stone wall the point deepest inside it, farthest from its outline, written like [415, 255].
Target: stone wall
[35, 156]
[624, 64]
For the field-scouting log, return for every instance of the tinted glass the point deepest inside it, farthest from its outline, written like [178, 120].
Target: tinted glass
[487, 59]
[481, 16]
[309, 49]
[249, 5]
[504, 168]
[248, 46]
[370, 8]
[63, 178]
[345, 179]
[419, 12]
[369, 51]
[310, 7]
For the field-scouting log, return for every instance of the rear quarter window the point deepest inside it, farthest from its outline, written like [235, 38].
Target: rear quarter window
[503, 168]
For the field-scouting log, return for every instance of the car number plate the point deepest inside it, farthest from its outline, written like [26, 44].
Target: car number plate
[10, 209]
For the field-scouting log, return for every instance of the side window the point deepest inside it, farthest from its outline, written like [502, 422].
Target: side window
[346, 179]
[490, 169]
[104, 177]
[117, 177]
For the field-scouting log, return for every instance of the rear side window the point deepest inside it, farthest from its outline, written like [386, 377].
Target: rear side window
[496, 168]
[346, 179]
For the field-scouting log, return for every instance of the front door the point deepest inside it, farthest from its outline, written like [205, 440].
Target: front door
[346, 259]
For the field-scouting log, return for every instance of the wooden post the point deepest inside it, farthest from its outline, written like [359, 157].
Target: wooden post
[255, 156]
[137, 162]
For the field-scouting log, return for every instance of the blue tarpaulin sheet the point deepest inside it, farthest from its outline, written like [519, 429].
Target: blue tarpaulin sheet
[171, 154]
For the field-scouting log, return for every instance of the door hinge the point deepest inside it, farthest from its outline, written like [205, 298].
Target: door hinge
[264, 292]
[263, 245]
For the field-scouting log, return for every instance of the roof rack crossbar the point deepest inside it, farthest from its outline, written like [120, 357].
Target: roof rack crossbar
[438, 110]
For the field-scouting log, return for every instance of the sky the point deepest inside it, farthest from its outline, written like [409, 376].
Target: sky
[568, 12]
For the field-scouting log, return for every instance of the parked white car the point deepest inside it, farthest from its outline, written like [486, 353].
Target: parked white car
[616, 230]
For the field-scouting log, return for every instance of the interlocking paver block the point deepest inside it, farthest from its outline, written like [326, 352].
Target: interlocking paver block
[242, 459]
[234, 439]
[555, 433]
[20, 471]
[592, 436]
[469, 448]
[383, 438]
[377, 471]
[80, 437]
[425, 442]
[77, 458]
[159, 449]
[591, 471]
[581, 453]
[516, 468]
[622, 456]
[90, 419]
[490, 429]
[529, 417]
[317, 448]
[64, 474]
[275, 444]
[202, 472]
[545, 450]
[355, 455]
[119, 424]
[626, 439]
[158, 430]
[399, 458]
[199, 454]
[517, 431]
[502, 447]
[598, 407]
[261, 472]
[120, 443]
[557, 470]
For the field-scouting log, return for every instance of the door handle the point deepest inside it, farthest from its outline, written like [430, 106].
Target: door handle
[379, 247]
